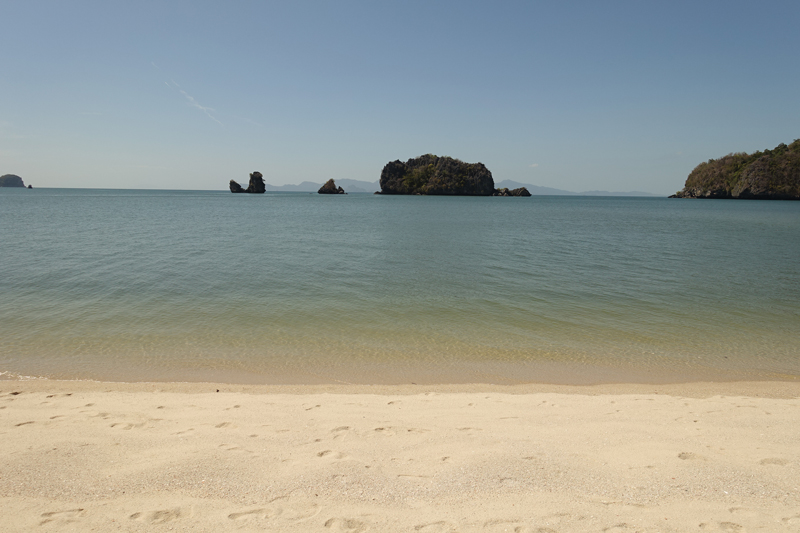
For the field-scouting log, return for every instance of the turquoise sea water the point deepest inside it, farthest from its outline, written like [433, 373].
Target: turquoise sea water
[304, 288]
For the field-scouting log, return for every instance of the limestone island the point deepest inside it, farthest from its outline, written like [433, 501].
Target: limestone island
[768, 175]
[330, 188]
[256, 185]
[433, 175]
[12, 180]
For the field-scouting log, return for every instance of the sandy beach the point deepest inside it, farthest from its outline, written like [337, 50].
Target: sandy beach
[89, 456]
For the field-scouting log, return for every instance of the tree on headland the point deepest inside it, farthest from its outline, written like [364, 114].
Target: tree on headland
[769, 175]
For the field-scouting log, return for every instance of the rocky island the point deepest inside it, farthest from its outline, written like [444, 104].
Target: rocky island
[522, 191]
[256, 185]
[768, 175]
[330, 188]
[434, 175]
[11, 180]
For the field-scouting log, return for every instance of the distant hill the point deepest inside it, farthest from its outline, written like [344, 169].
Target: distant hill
[616, 193]
[346, 184]
[373, 186]
[360, 186]
[768, 175]
[549, 191]
[11, 180]
[533, 189]
[305, 186]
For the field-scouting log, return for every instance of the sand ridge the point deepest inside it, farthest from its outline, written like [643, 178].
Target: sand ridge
[78, 456]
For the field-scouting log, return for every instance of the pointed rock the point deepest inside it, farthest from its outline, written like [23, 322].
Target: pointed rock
[330, 188]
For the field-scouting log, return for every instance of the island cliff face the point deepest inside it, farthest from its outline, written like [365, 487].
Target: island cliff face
[430, 174]
[11, 180]
[768, 175]
[256, 185]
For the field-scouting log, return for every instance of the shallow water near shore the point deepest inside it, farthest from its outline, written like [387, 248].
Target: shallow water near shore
[137, 285]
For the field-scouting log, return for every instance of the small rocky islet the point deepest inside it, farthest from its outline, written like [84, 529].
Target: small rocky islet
[256, 185]
[330, 188]
[768, 175]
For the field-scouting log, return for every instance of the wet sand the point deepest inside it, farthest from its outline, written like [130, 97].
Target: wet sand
[78, 456]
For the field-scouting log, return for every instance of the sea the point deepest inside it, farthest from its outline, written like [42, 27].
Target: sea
[299, 288]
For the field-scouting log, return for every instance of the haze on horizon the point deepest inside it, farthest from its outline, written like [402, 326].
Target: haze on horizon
[582, 96]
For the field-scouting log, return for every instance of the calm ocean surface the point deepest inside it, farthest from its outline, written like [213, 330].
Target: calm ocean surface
[304, 288]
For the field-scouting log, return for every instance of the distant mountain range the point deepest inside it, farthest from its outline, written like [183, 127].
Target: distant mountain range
[347, 185]
[373, 186]
[549, 191]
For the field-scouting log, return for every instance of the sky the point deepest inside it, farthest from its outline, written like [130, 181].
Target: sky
[613, 95]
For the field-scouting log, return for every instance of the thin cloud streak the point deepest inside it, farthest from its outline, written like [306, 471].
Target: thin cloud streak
[194, 103]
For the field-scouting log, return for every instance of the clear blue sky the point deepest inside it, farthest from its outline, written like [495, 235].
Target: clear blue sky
[573, 95]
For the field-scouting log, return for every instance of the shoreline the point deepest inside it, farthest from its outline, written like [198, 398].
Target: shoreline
[460, 374]
[777, 389]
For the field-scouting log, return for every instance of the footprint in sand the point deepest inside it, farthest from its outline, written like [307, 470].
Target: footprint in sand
[437, 527]
[126, 426]
[773, 461]
[295, 510]
[517, 526]
[340, 432]
[348, 525]
[618, 528]
[727, 527]
[332, 455]
[689, 456]
[159, 517]
[256, 514]
[62, 517]
[791, 520]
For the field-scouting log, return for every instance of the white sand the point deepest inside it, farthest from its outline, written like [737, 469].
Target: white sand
[80, 456]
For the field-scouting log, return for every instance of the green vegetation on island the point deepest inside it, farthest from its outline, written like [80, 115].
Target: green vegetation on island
[434, 175]
[11, 180]
[431, 174]
[768, 175]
